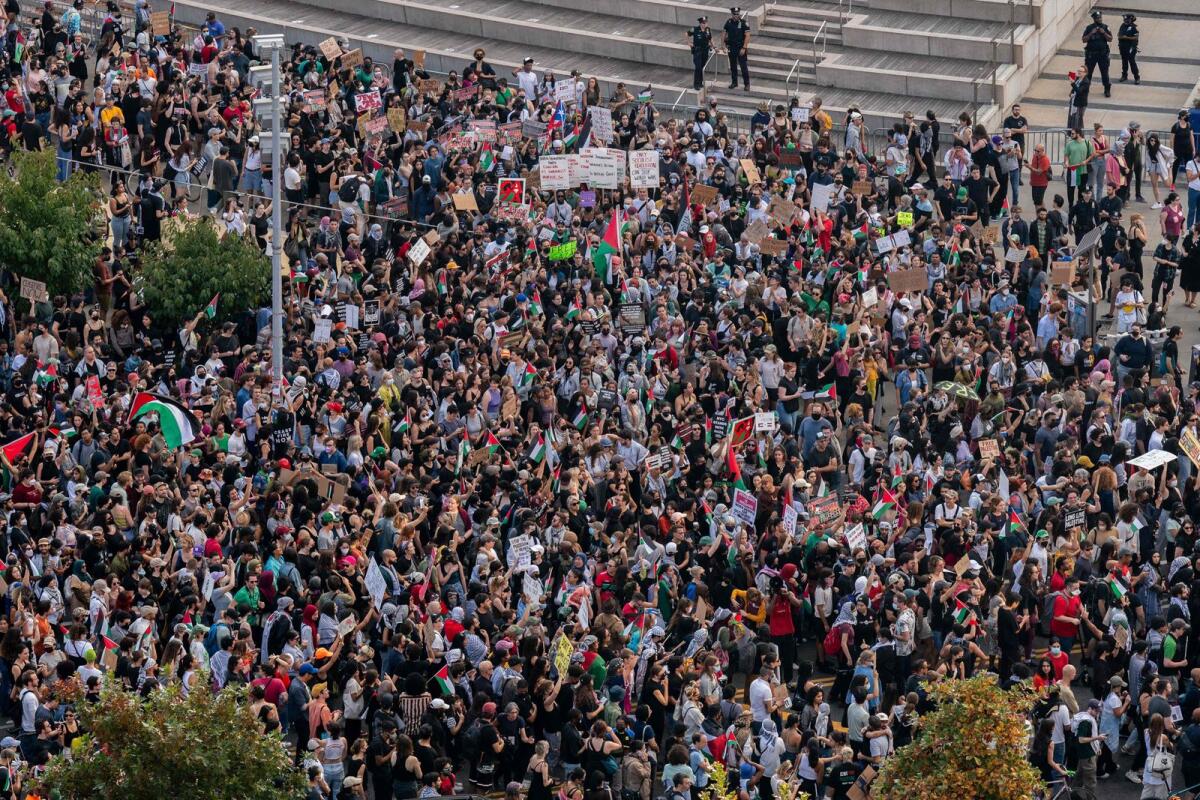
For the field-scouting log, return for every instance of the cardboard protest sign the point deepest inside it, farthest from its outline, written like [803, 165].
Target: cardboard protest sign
[908, 280]
[703, 194]
[751, 171]
[329, 48]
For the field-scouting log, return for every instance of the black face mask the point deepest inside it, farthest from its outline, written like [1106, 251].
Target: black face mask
[816, 415]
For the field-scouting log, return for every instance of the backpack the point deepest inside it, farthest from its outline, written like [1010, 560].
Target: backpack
[469, 740]
[833, 639]
[1048, 606]
[348, 190]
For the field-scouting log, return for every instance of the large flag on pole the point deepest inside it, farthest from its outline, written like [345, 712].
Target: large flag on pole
[179, 425]
[609, 246]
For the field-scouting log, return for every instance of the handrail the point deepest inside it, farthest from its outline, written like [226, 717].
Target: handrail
[824, 36]
[787, 82]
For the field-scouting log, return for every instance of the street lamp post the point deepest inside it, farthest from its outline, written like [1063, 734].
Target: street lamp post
[274, 43]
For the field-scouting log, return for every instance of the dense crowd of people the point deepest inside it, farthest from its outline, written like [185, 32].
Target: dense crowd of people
[596, 491]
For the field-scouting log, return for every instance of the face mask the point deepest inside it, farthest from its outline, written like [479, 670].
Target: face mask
[816, 415]
[1056, 649]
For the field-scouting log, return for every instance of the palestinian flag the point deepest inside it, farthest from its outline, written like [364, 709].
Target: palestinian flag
[572, 138]
[953, 258]
[897, 476]
[108, 643]
[528, 375]
[537, 453]
[46, 375]
[405, 423]
[707, 510]
[885, 503]
[581, 419]
[179, 425]
[735, 472]
[1014, 522]
[677, 442]
[610, 245]
[442, 679]
[492, 444]
[645, 96]
[487, 158]
[624, 291]
[574, 311]
[960, 307]
[862, 232]
[464, 450]
[210, 310]
[962, 612]
[535, 302]
[707, 431]
[1115, 586]
[827, 392]
[18, 447]
[63, 433]
[443, 286]
[557, 483]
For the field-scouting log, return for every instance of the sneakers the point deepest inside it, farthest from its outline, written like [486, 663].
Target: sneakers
[1156, 206]
[1133, 777]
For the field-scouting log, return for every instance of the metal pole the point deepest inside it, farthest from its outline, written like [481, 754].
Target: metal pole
[276, 229]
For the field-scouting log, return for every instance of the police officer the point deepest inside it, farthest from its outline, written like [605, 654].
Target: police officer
[1127, 43]
[1096, 37]
[700, 38]
[737, 42]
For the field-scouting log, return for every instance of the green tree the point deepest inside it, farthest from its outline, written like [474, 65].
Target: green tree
[206, 746]
[973, 745]
[180, 274]
[49, 231]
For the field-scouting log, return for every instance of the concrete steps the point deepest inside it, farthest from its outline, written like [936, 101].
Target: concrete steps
[913, 75]
[937, 35]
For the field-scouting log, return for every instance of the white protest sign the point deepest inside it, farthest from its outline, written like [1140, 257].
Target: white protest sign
[520, 550]
[870, 297]
[643, 169]
[1152, 460]
[576, 169]
[1015, 254]
[789, 519]
[531, 587]
[800, 114]
[603, 168]
[765, 421]
[745, 506]
[856, 538]
[322, 330]
[556, 172]
[822, 193]
[376, 585]
[418, 252]
[351, 319]
[564, 92]
[602, 129]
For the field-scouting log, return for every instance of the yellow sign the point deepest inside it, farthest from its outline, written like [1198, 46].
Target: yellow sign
[1190, 445]
[562, 656]
[904, 219]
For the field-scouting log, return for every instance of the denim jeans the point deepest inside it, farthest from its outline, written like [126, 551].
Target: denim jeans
[334, 775]
[1014, 188]
[1193, 206]
[120, 231]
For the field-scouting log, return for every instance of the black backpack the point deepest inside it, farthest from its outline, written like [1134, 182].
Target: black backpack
[348, 190]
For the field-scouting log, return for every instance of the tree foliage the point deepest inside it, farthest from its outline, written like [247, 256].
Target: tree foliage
[48, 230]
[180, 274]
[974, 745]
[206, 746]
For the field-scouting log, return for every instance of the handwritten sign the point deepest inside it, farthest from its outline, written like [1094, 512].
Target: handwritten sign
[908, 280]
[555, 172]
[1062, 273]
[1015, 254]
[904, 219]
[32, 290]
[643, 169]
[862, 187]
[330, 49]
[315, 98]
[1191, 445]
[160, 23]
[703, 194]
[368, 101]
[322, 329]
[991, 234]
[989, 448]
[397, 120]
[352, 59]
[751, 171]
[602, 128]
[856, 538]
[603, 167]
[430, 86]
[418, 252]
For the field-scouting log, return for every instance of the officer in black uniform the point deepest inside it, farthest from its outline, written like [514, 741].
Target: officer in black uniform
[1096, 37]
[737, 42]
[1127, 43]
[700, 38]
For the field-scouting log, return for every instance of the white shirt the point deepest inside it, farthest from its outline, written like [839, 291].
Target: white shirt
[528, 81]
[760, 695]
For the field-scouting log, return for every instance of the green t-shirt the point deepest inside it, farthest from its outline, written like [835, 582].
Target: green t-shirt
[1076, 151]
[1170, 645]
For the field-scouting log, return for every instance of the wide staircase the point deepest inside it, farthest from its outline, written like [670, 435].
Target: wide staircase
[884, 58]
